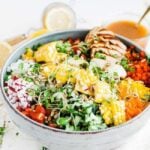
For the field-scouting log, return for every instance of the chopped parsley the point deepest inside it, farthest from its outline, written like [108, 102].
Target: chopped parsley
[2, 132]
[63, 47]
[125, 63]
[36, 68]
[17, 133]
[105, 76]
[44, 148]
[100, 56]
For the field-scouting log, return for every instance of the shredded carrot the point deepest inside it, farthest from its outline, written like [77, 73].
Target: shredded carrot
[134, 106]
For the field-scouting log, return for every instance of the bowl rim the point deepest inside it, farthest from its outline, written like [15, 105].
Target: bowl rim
[51, 128]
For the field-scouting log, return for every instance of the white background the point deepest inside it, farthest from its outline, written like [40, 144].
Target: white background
[20, 16]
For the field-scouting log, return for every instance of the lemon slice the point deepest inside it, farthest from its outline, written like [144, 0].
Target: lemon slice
[59, 16]
[38, 32]
[5, 50]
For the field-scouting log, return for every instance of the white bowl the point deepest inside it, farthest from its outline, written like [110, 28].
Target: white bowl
[56, 139]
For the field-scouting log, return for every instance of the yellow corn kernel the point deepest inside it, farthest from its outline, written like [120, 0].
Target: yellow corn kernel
[113, 112]
[106, 112]
[118, 111]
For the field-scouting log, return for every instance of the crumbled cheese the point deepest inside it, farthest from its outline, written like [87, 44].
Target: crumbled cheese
[20, 65]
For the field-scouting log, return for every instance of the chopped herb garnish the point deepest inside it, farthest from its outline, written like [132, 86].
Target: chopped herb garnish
[7, 75]
[17, 133]
[2, 132]
[100, 56]
[63, 47]
[21, 65]
[36, 68]
[84, 65]
[125, 63]
[44, 148]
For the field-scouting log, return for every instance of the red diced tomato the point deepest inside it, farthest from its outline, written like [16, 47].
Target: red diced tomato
[40, 109]
[39, 117]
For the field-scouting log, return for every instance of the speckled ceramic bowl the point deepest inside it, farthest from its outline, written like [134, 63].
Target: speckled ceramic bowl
[56, 139]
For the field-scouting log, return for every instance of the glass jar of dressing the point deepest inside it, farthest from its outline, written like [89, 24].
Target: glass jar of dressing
[125, 24]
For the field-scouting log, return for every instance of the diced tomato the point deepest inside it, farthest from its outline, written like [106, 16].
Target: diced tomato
[27, 111]
[39, 117]
[40, 109]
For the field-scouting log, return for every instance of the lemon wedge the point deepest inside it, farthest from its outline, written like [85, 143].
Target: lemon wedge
[38, 32]
[59, 16]
[5, 50]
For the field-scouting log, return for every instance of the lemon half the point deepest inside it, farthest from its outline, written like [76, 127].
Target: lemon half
[59, 16]
[5, 50]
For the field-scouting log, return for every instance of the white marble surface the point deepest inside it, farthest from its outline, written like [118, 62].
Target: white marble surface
[18, 16]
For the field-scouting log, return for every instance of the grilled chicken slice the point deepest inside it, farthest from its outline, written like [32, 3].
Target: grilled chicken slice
[116, 68]
[103, 40]
[106, 51]
[117, 48]
[101, 63]
[118, 43]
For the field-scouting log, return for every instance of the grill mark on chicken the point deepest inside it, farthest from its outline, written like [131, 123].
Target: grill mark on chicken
[103, 40]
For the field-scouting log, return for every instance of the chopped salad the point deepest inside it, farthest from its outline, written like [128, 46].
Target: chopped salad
[80, 85]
